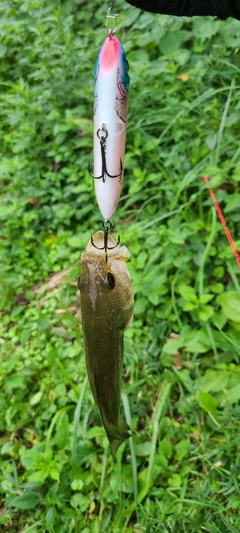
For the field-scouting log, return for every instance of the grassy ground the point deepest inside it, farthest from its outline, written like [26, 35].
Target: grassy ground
[181, 379]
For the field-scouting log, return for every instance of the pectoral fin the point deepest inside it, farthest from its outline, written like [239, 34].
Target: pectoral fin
[115, 434]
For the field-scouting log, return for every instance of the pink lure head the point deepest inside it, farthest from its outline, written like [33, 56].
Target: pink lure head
[111, 58]
[110, 53]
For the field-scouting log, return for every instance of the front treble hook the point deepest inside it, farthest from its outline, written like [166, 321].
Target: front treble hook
[102, 134]
[107, 226]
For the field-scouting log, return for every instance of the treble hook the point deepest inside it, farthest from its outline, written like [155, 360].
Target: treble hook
[102, 138]
[107, 226]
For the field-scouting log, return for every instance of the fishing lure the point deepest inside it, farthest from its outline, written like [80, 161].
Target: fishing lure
[111, 84]
[106, 308]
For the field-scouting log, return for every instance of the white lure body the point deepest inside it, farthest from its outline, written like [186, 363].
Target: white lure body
[110, 115]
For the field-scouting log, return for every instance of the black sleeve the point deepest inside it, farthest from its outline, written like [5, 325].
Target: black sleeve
[190, 8]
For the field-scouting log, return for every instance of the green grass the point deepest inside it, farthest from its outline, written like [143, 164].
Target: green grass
[181, 381]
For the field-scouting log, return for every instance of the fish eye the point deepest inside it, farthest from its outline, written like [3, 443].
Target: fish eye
[110, 280]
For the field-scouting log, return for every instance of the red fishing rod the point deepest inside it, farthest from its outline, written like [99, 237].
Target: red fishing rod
[223, 222]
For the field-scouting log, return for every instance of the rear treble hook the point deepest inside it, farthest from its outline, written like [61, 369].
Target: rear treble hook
[102, 135]
[107, 226]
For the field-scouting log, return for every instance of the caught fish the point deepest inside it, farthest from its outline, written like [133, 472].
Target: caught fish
[106, 308]
[111, 84]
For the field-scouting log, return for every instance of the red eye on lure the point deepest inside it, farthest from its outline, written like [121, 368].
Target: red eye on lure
[111, 83]
[223, 222]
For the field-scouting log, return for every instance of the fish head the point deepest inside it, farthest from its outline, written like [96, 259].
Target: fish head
[105, 286]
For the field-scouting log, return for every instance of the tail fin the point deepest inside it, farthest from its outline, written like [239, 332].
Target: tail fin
[115, 434]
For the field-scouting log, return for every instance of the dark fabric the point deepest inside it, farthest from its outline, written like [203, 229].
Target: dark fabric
[234, 8]
[190, 8]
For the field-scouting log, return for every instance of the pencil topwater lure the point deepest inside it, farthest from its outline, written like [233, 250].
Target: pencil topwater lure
[106, 308]
[111, 84]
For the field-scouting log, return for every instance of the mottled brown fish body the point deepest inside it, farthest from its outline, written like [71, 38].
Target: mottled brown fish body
[106, 308]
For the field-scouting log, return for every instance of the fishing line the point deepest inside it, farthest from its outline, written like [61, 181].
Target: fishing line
[109, 17]
[112, 4]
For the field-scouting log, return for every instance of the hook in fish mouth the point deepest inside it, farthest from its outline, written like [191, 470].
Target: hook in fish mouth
[107, 226]
[102, 135]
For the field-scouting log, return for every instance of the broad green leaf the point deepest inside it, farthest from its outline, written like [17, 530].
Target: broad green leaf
[28, 500]
[38, 477]
[78, 500]
[84, 450]
[217, 288]
[175, 481]
[142, 258]
[233, 203]
[182, 449]
[3, 50]
[8, 448]
[233, 394]
[140, 306]
[95, 432]
[196, 346]
[74, 242]
[25, 335]
[165, 448]
[205, 298]
[205, 28]
[32, 459]
[166, 359]
[211, 141]
[50, 516]
[142, 449]
[36, 398]
[48, 454]
[198, 342]
[153, 298]
[188, 293]
[207, 402]
[54, 473]
[16, 381]
[230, 303]
[171, 42]
[206, 313]
[172, 346]
[143, 486]
[151, 144]
[219, 320]
[214, 380]
[189, 307]
[77, 484]
[218, 272]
